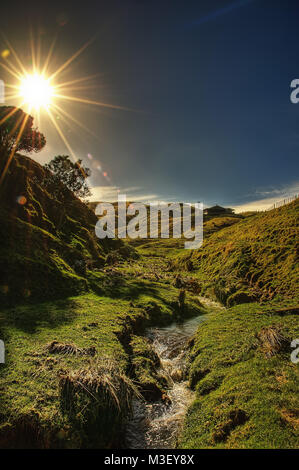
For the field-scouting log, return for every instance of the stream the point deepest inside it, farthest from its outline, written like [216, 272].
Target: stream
[156, 425]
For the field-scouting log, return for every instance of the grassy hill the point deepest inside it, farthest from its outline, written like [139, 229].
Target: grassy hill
[74, 310]
[46, 246]
[254, 259]
[246, 386]
[240, 365]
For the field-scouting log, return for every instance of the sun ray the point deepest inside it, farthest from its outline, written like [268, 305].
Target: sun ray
[62, 135]
[96, 103]
[75, 88]
[11, 113]
[15, 54]
[12, 66]
[48, 58]
[77, 80]
[39, 91]
[71, 59]
[12, 97]
[15, 127]
[16, 75]
[65, 140]
[38, 52]
[9, 85]
[69, 116]
[39, 82]
[60, 115]
[32, 47]
[13, 151]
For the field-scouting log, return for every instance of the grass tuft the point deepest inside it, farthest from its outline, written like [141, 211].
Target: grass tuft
[272, 341]
[62, 348]
[96, 400]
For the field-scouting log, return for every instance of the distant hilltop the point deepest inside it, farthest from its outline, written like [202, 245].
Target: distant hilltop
[209, 211]
[218, 211]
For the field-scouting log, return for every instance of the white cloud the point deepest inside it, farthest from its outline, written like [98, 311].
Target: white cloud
[110, 194]
[273, 195]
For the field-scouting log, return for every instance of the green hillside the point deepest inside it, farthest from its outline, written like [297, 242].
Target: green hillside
[245, 383]
[75, 309]
[72, 306]
[46, 246]
[254, 259]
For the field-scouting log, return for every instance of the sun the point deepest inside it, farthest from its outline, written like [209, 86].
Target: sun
[36, 91]
[43, 95]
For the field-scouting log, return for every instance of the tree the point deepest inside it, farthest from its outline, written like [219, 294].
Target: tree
[17, 132]
[65, 176]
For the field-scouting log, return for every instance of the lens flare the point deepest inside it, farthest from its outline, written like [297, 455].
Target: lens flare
[5, 53]
[39, 92]
[22, 200]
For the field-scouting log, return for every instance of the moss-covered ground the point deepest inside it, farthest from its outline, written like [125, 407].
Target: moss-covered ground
[108, 322]
[73, 311]
[244, 397]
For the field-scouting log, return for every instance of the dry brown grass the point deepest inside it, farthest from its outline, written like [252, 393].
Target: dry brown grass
[291, 417]
[102, 382]
[271, 340]
[63, 348]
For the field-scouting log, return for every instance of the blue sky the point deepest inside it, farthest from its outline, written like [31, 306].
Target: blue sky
[208, 83]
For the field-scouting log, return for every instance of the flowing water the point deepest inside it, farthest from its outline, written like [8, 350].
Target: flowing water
[157, 425]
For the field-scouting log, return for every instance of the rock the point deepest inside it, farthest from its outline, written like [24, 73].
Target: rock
[166, 399]
[177, 375]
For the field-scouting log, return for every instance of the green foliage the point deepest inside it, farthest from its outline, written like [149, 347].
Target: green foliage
[44, 252]
[65, 176]
[17, 133]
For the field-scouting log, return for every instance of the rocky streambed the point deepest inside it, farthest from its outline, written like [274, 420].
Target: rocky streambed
[156, 425]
